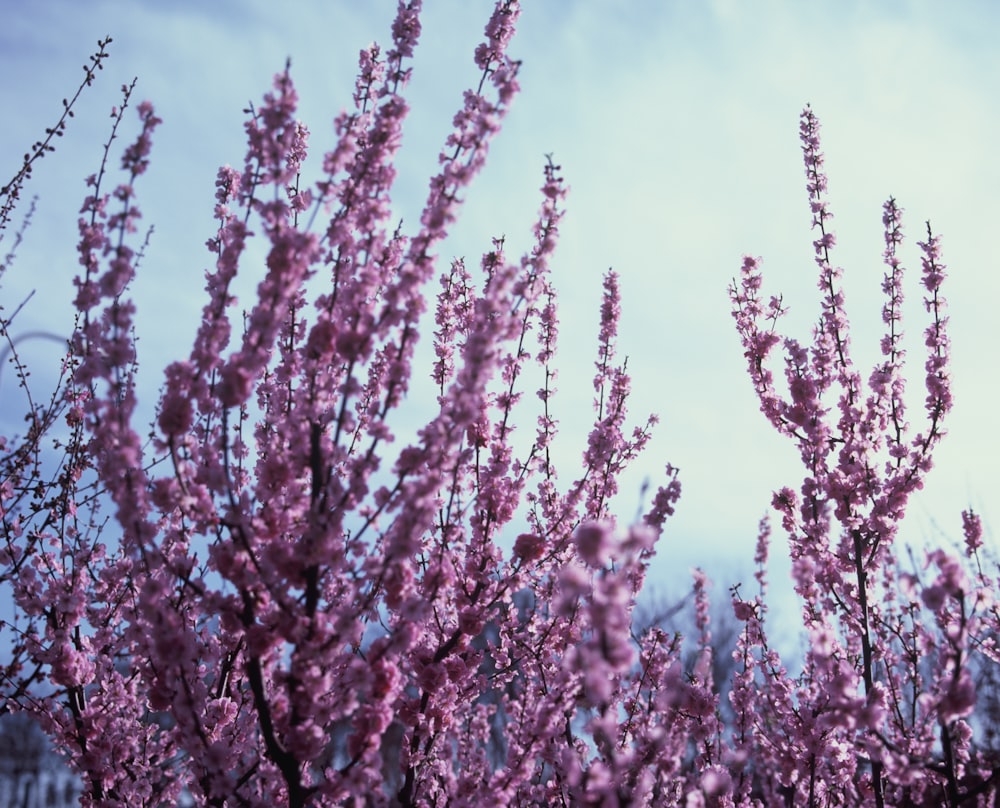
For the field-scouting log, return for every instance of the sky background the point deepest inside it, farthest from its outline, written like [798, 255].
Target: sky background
[676, 124]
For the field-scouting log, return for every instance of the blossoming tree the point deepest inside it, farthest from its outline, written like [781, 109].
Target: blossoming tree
[879, 713]
[267, 603]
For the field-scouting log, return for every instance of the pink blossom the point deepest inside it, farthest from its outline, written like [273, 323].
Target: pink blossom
[595, 543]
[960, 698]
[528, 547]
[972, 529]
[743, 610]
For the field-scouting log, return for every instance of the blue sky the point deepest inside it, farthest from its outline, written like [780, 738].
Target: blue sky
[676, 124]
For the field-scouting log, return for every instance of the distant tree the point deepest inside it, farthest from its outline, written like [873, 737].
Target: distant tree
[23, 752]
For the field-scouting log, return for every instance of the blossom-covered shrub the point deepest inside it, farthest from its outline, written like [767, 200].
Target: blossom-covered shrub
[879, 714]
[265, 601]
